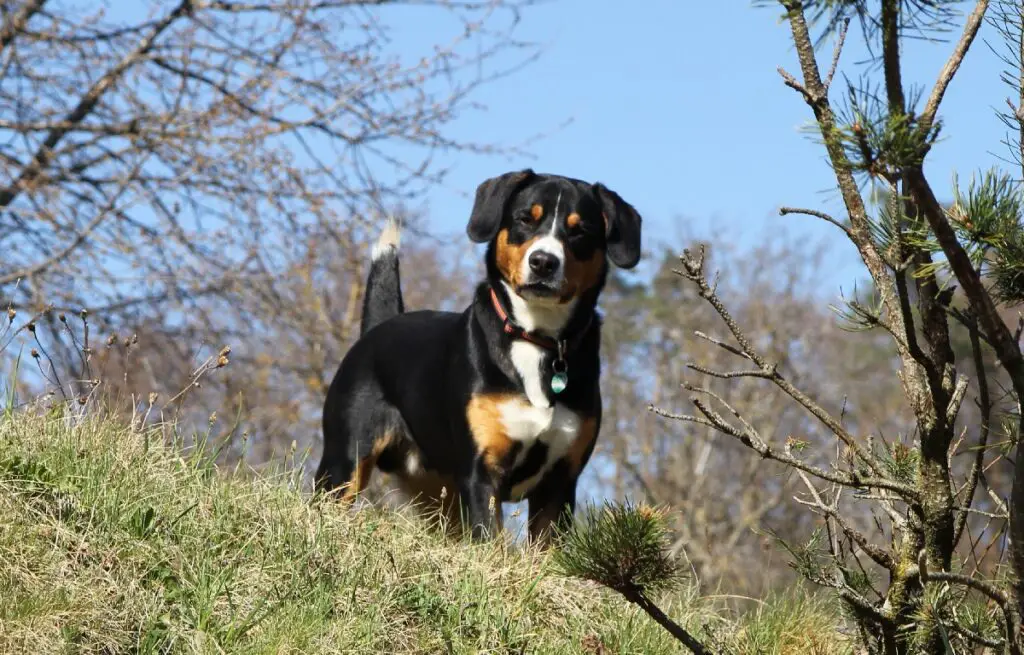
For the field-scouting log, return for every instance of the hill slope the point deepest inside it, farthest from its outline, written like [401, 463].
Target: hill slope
[112, 543]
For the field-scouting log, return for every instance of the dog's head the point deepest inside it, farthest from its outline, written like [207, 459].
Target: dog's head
[551, 236]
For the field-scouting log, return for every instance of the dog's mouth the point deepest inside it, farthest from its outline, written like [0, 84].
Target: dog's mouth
[540, 289]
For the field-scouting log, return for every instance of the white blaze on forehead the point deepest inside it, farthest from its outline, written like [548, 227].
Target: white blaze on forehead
[550, 244]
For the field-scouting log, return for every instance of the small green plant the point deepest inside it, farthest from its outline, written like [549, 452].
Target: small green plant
[625, 548]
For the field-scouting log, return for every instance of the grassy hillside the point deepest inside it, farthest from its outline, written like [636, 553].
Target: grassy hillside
[112, 543]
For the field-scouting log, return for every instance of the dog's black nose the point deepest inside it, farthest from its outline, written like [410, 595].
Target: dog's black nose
[544, 264]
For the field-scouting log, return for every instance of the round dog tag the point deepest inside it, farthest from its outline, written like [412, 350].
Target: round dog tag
[558, 382]
[560, 376]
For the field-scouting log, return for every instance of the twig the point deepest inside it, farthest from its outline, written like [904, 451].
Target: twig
[767, 452]
[694, 271]
[18, 22]
[981, 512]
[785, 211]
[974, 636]
[843, 27]
[748, 428]
[862, 605]
[793, 84]
[721, 344]
[726, 375]
[860, 222]
[998, 595]
[60, 385]
[988, 589]
[956, 399]
[87, 104]
[956, 58]
[985, 407]
[880, 557]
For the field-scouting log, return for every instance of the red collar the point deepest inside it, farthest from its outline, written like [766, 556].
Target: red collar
[560, 346]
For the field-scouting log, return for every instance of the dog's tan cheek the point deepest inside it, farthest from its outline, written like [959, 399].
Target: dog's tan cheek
[507, 257]
[510, 257]
[582, 275]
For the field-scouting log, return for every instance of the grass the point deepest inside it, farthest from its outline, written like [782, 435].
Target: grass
[112, 543]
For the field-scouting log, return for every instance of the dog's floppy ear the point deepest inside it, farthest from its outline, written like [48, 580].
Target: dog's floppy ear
[489, 205]
[622, 226]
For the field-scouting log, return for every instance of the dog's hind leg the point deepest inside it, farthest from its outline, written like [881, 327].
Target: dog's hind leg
[346, 477]
[350, 472]
[334, 473]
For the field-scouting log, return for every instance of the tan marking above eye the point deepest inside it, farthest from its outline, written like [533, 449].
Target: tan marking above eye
[572, 220]
[536, 211]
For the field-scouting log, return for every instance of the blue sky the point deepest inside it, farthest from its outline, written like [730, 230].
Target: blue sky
[678, 107]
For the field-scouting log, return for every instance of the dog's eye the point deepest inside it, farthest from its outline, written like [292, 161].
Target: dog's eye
[524, 216]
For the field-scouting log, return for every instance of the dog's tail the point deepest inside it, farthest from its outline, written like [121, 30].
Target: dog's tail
[383, 297]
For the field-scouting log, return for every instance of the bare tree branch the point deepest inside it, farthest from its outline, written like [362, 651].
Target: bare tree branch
[694, 271]
[86, 105]
[17, 22]
[973, 24]
[817, 214]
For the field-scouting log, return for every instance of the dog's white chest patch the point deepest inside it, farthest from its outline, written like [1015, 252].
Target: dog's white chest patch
[557, 427]
[527, 358]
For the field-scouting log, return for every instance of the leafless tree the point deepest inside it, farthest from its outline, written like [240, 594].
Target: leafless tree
[904, 581]
[203, 173]
[725, 502]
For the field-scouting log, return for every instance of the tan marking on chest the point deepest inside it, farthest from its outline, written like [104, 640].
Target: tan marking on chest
[483, 413]
[499, 422]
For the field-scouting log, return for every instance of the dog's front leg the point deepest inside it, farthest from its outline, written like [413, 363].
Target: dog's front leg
[552, 504]
[481, 502]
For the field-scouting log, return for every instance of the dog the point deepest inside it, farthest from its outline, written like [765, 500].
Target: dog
[502, 401]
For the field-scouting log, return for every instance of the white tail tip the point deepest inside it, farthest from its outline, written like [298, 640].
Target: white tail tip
[387, 241]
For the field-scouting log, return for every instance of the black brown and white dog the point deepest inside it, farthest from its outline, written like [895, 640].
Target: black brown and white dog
[500, 402]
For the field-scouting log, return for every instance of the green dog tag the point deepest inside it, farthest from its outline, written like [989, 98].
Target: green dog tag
[558, 382]
[560, 376]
